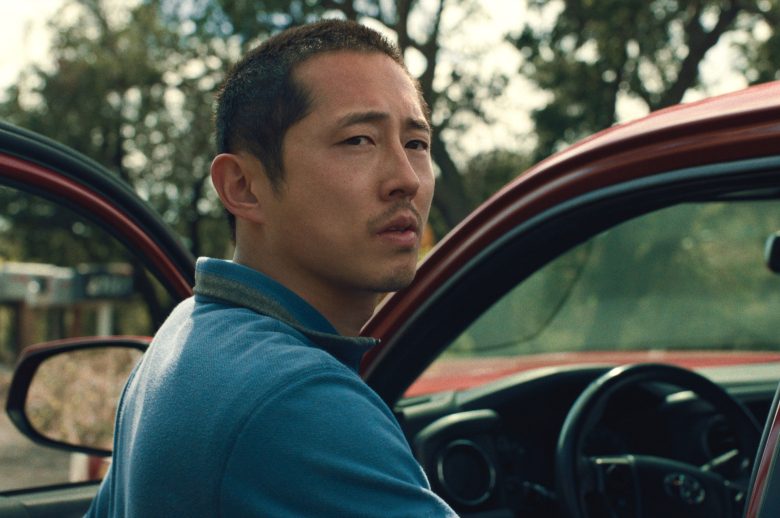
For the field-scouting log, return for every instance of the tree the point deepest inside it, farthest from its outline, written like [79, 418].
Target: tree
[109, 96]
[487, 172]
[598, 53]
[130, 93]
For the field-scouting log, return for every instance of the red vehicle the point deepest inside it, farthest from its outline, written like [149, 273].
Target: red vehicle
[600, 338]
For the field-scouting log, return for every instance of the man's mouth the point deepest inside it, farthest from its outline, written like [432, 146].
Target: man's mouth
[401, 224]
[401, 230]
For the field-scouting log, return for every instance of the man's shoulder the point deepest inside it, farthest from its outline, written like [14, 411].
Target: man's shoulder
[218, 340]
[204, 319]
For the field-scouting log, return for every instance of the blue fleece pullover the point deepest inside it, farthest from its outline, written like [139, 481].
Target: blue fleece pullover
[248, 403]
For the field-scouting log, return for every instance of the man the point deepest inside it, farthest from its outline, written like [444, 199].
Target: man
[248, 402]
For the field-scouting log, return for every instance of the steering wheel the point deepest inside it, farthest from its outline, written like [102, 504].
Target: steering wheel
[644, 485]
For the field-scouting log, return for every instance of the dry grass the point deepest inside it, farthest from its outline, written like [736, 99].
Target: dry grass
[74, 396]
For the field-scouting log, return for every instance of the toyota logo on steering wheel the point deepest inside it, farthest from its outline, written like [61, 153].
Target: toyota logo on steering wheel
[685, 487]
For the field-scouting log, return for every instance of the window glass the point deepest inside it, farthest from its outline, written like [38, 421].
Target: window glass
[690, 278]
[61, 276]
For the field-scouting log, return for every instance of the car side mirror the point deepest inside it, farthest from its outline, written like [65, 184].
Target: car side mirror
[772, 252]
[65, 394]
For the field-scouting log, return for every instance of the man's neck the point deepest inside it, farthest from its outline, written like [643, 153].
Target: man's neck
[347, 314]
[346, 310]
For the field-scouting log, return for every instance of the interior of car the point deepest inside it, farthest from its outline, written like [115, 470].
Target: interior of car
[673, 274]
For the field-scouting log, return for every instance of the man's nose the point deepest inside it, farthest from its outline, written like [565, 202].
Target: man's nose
[401, 179]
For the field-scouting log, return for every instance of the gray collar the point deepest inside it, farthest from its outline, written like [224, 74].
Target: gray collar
[349, 350]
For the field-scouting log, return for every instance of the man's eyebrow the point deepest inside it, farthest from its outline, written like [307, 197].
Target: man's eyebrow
[377, 116]
[418, 124]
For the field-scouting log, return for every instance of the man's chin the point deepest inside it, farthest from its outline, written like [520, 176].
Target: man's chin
[397, 281]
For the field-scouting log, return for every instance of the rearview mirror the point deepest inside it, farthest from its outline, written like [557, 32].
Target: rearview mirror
[65, 394]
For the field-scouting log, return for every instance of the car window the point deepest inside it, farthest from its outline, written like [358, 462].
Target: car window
[670, 285]
[61, 276]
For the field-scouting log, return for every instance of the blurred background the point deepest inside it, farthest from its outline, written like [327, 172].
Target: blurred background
[131, 83]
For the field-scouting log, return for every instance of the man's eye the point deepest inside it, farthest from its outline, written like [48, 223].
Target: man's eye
[359, 140]
[419, 145]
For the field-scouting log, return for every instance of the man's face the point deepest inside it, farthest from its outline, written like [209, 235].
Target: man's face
[358, 180]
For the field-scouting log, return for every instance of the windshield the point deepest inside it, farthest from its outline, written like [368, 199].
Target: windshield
[687, 284]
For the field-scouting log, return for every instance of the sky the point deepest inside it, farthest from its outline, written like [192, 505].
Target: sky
[25, 40]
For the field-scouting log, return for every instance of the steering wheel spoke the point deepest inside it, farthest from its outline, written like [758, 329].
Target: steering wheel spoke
[671, 488]
[643, 485]
[613, 490]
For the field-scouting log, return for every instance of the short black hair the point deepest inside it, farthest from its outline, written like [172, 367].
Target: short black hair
[259, 99]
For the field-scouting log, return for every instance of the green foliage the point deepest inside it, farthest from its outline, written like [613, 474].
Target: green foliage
[133, 95]
[690, 276]
[35, 230]
[44, 230]
[761, 44]
[597, 52]
[486, 173]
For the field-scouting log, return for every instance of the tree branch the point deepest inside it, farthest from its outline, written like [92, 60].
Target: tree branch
[700, 42]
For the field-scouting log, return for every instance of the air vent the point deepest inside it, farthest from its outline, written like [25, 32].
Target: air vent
[464, 470]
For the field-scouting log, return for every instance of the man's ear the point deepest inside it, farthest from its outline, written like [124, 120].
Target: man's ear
[235, 178]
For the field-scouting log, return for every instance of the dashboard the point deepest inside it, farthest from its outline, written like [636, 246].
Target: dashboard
[490, 451]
